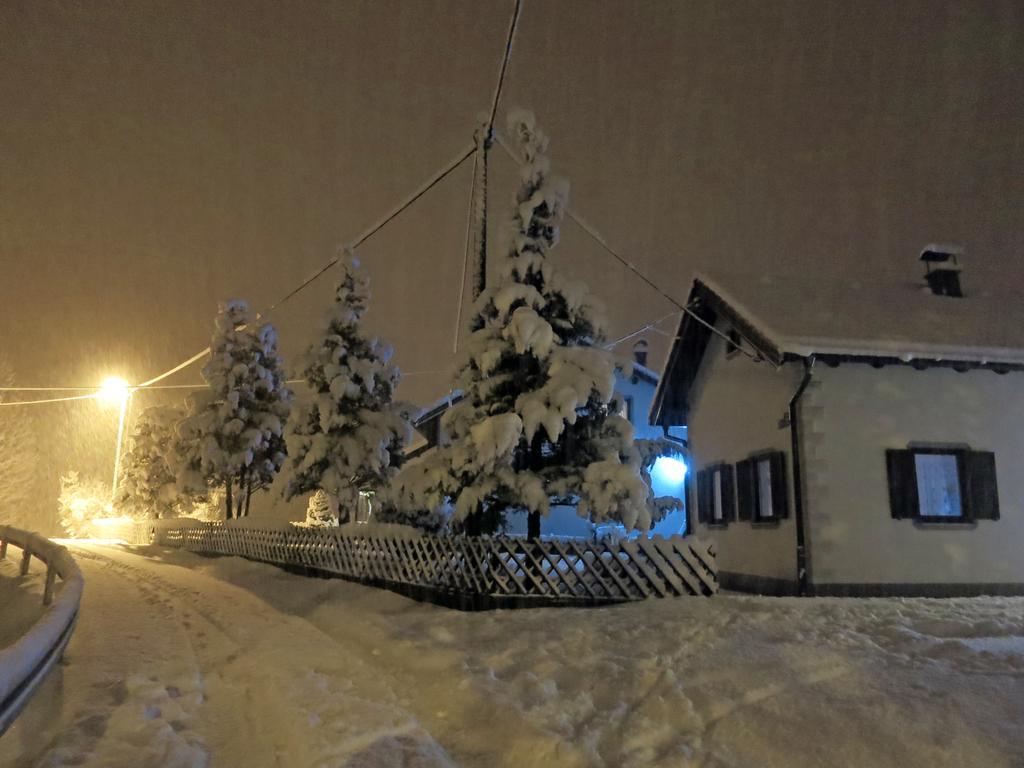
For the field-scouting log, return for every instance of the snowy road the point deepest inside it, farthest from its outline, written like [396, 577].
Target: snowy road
[186, 661]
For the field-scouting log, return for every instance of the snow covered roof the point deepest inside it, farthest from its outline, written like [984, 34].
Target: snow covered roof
[438, 406]
[800, 316]
[846, 320]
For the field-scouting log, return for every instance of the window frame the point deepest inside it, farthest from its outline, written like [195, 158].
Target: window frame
[752, 494]
[967, 512]
[726, 496]
[960, 455]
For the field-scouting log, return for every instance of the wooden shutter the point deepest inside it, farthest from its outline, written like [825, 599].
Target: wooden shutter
[702, 496]
[728, 493]
[690, 509]
[981, 485]
[745, 495]
[902, 472]
[780, 489]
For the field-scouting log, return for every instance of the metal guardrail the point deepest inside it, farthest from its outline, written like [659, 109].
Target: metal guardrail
[25, 664]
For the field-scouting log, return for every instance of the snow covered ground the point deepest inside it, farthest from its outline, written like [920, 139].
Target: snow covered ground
[186, 661]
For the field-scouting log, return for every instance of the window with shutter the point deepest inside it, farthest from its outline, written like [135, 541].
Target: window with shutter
[716, 498]
[769, 487]
[942, 485]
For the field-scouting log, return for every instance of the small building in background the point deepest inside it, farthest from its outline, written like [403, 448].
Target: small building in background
[635, 385]
[853, 438]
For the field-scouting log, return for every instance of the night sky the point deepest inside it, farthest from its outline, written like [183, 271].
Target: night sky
[156, 158]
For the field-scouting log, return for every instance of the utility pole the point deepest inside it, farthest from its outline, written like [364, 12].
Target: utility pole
[484, 137]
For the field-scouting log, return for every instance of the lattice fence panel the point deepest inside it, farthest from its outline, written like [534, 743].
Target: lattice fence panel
[566, 572]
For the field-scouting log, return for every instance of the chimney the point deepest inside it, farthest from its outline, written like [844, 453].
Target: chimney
[942, 269]
[640, 352]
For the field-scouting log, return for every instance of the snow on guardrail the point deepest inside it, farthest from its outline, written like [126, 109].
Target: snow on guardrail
[25, 663]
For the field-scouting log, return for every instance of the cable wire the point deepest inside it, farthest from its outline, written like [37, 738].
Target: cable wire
[362, 238]
[504, 63]
[10, 404]
[638, 331]
[466, 257]
[50, 389]
[636, 270]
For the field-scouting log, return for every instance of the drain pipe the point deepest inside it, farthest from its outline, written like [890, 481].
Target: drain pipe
[798, 491]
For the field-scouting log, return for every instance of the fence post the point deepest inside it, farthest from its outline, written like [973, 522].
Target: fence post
[26, 555]
[51, 576]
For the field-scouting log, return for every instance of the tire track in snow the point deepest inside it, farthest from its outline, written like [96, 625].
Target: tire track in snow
[270, 689]
[121, 697]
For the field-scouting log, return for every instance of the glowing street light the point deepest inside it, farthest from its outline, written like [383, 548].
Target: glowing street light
[116, 391]
[113, 391]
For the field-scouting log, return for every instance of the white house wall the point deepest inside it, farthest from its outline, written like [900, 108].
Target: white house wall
[736, 407]
[850, 416]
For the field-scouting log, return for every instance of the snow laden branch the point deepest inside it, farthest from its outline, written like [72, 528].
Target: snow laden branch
[535, 426]
[233, 437]
[347, 434]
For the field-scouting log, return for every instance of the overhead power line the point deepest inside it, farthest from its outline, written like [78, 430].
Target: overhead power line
[11, 403]
[504, 62]
[466, 256]
[422, 190]
[596, 237]
[641, 329]
[359, 240]
[175, 369]
[50, 389]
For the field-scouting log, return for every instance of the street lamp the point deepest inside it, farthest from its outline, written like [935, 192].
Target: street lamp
[115, 391]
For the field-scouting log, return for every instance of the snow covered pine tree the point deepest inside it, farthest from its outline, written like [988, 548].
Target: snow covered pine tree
[534, 426]
[235, 432]
[348, 432]
[147, 486]
[322, 510]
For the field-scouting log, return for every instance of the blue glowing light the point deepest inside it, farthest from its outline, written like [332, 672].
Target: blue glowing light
[668, 470]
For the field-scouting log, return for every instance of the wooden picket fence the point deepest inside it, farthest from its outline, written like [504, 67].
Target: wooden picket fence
[469, 572]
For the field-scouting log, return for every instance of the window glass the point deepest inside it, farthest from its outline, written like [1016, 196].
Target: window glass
[764, 488]
[626, 408]
[718, 495]
[938, 485]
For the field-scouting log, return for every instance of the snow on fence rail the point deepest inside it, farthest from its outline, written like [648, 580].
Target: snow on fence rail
[25, 664]
[469, 572]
